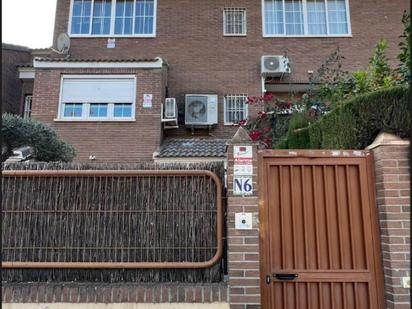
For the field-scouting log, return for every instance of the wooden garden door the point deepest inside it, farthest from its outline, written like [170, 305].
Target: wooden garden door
[319, 233]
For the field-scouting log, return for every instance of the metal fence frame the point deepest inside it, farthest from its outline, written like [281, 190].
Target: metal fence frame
[128, 265]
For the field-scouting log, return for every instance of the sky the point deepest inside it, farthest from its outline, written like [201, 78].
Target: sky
[28, 22]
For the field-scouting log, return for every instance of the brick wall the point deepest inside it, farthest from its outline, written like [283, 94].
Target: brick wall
[202, 60]
[108, 141]
[393, 202]
[11, 94]
[243, 245]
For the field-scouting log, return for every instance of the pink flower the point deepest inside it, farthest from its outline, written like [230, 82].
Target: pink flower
[242, 122]
[250, 100]
[268, 97]
[262, 114]
[255, 135]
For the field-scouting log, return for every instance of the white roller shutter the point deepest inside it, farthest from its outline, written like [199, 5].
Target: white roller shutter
[101, 90]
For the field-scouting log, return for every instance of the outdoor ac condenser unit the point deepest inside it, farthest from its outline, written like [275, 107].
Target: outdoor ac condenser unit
[201, 109]
[274, 65]
[170, 111]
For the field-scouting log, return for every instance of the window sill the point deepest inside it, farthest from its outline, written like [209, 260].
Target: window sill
[266, 36]
[94, 36]
[94, 120]
[235, 35]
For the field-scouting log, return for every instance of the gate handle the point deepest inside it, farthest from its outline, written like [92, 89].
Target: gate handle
[286, 277]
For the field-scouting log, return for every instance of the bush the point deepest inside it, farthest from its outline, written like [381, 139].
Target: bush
[357, 122]
[17, 132]
[298, 134]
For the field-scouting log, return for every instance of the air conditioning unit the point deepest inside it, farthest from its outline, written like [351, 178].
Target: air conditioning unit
[201, 109]
[274, 65]
[170, 111]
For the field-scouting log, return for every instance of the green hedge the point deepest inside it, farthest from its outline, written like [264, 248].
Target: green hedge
[297, 136]
[356, 123]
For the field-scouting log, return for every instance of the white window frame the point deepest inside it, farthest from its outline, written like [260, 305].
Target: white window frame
[112, 24]
[305, 25]
[246, 108]
[86, 105]
[28, 105]
[243, 10]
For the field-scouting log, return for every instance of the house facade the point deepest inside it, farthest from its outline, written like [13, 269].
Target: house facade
[14, 92]
[107, 95]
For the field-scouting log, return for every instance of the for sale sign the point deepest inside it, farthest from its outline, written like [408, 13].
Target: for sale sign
[243, 156]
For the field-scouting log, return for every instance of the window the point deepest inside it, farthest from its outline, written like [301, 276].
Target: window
[102, 11]
[122, 110]
[306, 18]
[113, 18]
[106, 97]
[234, 21]
[235, 108]
[81, 12]
[27, 106]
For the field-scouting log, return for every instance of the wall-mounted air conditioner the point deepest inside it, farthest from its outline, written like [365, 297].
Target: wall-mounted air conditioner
[274, 65]
[201, 109]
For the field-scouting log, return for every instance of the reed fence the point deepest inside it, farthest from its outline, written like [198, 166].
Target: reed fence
[117, 219]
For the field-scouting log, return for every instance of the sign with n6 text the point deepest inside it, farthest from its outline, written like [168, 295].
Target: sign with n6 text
[242, 185]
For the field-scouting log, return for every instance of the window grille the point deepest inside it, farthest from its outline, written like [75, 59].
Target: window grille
[234, 21]
[235, 108]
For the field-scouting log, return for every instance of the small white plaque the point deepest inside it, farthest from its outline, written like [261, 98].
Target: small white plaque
[243, 169]
[111, 43]
[242, 185]
[147, 100]
[243, 152]
[243, 221]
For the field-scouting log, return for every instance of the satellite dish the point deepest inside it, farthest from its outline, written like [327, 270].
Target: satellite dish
[63, 43]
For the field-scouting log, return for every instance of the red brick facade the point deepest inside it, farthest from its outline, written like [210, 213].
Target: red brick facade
[190, 37]
[107, 141]
[393, 202]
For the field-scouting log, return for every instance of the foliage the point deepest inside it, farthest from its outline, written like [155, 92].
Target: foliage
[271, 122]
[332, 85]
[298, 135]
[17, 132]
[357, 122]
[380, 71]
[404, 57]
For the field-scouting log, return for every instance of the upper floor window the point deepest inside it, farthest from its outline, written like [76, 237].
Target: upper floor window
[113, 18]
[306, 18]
[234, 21]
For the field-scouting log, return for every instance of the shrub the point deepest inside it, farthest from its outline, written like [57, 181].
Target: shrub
[357, 122]
[17, 132]
[298, 134]
[404, 57]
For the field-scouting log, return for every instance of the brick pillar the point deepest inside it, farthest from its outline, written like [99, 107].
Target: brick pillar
[243, 245]
[393, 201]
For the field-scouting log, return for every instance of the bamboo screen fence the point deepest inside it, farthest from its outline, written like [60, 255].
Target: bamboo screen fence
[111, 219]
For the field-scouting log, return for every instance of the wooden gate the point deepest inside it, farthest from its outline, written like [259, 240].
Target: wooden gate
[318, 231]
